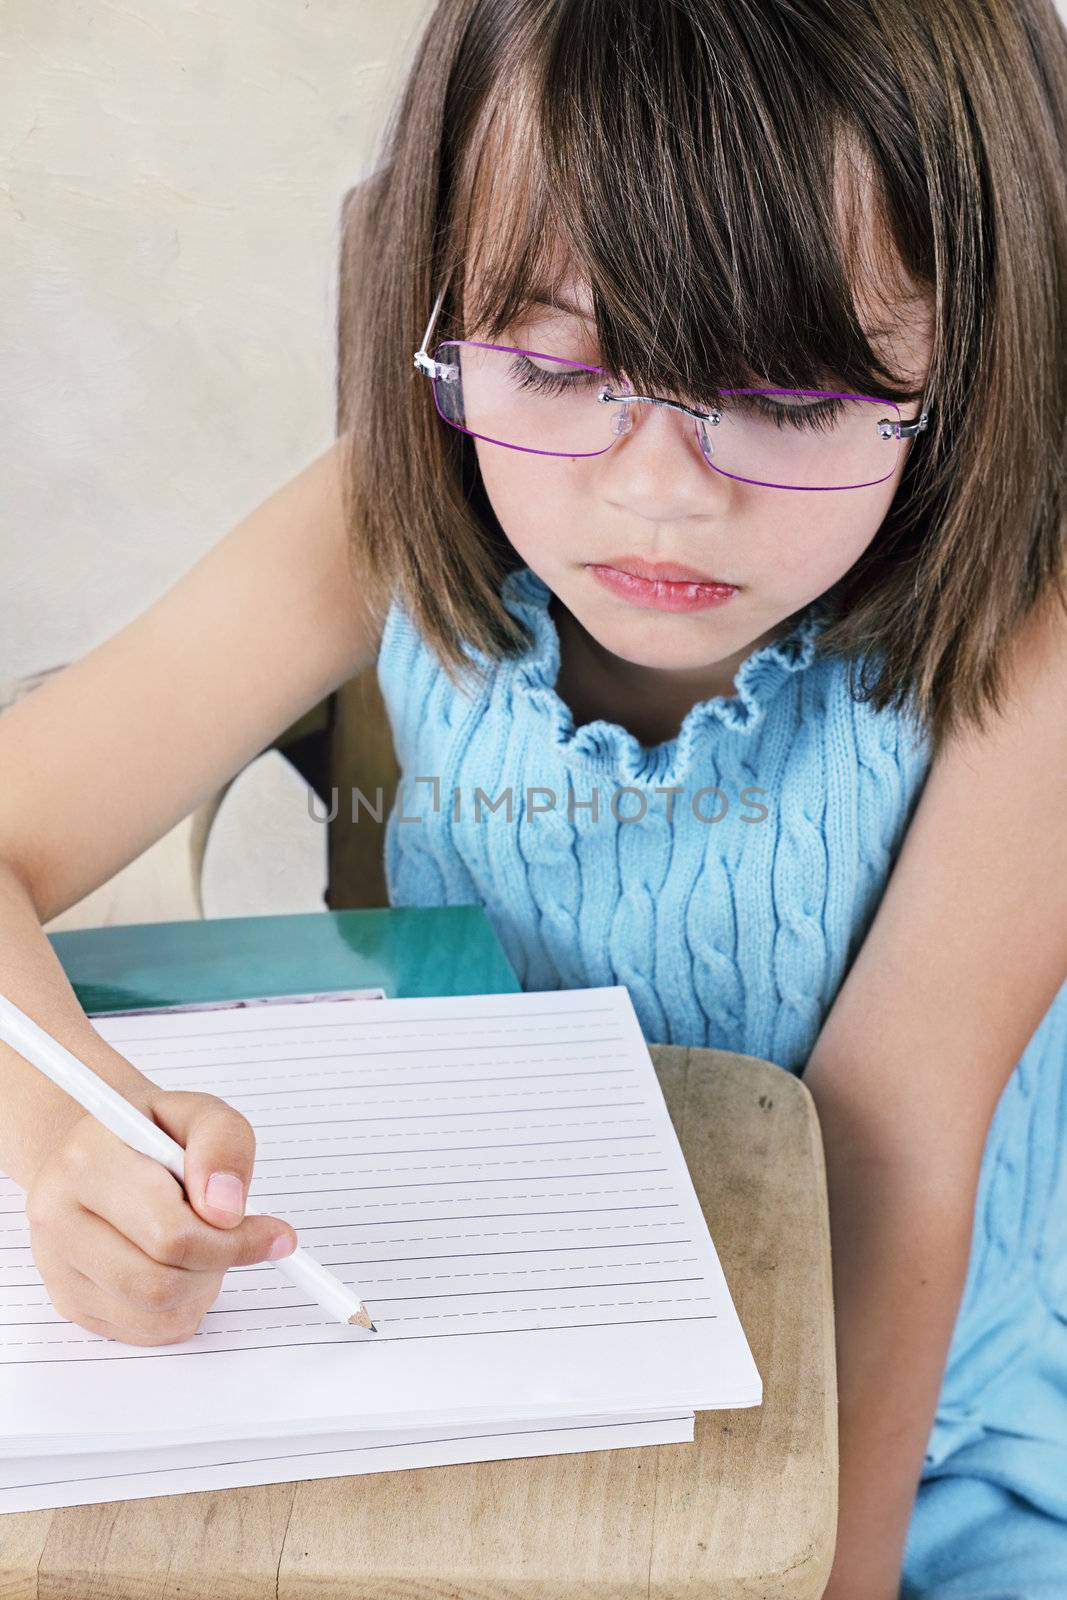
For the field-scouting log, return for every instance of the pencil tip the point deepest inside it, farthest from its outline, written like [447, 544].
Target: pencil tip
[361, 1319]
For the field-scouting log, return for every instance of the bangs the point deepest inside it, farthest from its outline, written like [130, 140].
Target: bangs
[732, 219]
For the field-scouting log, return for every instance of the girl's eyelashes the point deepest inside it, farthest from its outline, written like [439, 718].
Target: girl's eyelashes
[527, 375]
[780, 410]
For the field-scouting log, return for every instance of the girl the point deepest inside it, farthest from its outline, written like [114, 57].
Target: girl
[728, 480]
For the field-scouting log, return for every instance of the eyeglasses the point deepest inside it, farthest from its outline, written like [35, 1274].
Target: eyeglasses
[544, 404]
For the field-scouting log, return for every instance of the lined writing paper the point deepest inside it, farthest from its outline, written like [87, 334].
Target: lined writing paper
[496, 1175]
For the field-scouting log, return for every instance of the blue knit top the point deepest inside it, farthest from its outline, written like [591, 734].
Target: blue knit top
[731, 910]
[727, 877]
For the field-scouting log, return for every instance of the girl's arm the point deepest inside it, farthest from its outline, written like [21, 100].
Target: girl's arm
[963, 958]
[109, 754]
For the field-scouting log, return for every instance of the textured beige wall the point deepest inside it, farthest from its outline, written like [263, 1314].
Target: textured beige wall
[170, 178]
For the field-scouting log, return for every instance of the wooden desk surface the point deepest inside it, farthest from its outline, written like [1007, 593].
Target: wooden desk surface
[748, 1509]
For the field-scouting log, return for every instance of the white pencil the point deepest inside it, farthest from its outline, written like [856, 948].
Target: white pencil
[123, 1118]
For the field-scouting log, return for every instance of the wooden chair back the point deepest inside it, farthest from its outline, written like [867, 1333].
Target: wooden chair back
[361, 761]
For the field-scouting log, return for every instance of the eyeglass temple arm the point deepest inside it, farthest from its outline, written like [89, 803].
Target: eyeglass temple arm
[909, 430]
[422, 359]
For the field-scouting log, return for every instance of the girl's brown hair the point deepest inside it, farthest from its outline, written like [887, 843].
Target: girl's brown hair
[686, 156]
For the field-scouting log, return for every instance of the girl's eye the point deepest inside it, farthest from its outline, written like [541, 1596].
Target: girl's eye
[798, 413]
[544, 381]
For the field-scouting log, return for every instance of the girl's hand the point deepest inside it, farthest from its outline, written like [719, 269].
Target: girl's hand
[122, 1251]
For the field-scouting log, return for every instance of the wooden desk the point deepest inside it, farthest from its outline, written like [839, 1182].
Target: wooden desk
[748, 1509]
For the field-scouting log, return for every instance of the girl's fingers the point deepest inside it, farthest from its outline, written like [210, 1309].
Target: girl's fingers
[101, 1308]
[104, 1256]
[145, 1203]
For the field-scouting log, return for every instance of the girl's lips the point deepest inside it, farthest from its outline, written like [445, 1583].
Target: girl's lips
[663, 571]
[662, 595]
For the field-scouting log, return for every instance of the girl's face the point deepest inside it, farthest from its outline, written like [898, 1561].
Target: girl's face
[653, 496]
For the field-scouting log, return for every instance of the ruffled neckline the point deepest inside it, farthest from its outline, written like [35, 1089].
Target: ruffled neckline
[607, 744]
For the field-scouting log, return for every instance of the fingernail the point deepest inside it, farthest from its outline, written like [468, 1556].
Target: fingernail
[281, 1246]
[226, 1192]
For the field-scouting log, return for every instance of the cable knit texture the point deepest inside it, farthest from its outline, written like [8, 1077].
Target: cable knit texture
[727, 877]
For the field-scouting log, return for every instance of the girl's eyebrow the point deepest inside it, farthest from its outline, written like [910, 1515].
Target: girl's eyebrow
[541, 297]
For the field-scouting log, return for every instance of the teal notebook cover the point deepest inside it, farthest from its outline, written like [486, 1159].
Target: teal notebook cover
[406, 950]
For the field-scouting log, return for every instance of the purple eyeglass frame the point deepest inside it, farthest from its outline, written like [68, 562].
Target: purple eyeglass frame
[441, 371]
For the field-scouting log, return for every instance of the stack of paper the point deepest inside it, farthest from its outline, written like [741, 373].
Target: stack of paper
[496, 1175]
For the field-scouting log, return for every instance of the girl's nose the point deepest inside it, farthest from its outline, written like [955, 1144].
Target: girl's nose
[657, 467]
